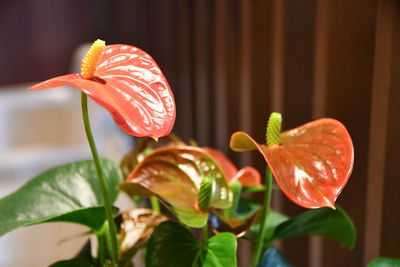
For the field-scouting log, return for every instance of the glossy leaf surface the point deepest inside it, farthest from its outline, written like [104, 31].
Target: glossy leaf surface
[173, 245]
[68, 193]
[143, 147]
[311, 165]
[384, 262]
[274, 258]
[174, 174]
[135, 228]
[130, 85]
[220, 251]
[333, 224]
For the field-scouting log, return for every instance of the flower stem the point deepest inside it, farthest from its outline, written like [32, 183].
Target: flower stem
[107, 204]
[264, 216]
[204, 233]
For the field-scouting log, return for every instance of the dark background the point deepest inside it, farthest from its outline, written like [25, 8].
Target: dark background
[230, 63]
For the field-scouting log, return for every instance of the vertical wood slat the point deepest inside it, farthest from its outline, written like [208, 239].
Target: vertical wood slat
[245, 93]
[320, 58]
[220, 38]
[390, 239]
[277, 77]
[277, 55]
[184, 91]
[378, 130]
[298, 71]
[232, 50]
[348, 88]
[261, 73]
[201, 52]
[318, 96]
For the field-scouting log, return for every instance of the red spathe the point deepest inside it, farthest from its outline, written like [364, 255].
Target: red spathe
[311, 165]
[130, 85]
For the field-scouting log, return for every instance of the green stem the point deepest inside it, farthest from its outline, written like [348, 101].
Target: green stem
[155, 205]
[101, 249]
[264, 216]
[204, 233]
[107, 204]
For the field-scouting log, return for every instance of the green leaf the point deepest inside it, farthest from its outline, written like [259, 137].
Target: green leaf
[171, 244]
[274, 258]
[69, 193]
[220, 251]
[274, 218]
[174, 245]
[76, 262]
[246, 208]
[384, 262]
[333, 224]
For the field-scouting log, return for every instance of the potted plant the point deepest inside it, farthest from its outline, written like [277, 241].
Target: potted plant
[198, 187]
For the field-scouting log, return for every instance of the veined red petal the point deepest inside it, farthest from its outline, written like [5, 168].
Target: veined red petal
[130, 85]
[311, 165]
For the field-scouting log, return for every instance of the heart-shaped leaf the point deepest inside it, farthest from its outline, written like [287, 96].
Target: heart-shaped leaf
[67, 193]
[130, 85]
[173, 245]
[220, 250]
[333, 224]
[311, 164]
[274, 258]
[384, 262]
[174, 174]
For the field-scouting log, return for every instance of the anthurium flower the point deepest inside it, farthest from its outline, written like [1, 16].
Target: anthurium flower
[128, 83]
[311, 163]
[177, 174]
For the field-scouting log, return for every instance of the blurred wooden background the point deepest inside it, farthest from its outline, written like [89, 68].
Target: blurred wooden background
[232, 62]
